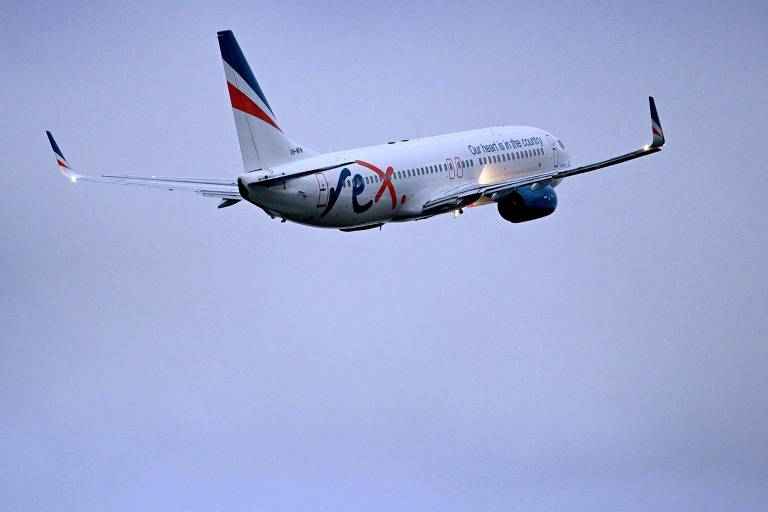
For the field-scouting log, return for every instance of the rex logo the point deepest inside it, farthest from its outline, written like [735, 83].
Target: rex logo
[358, 185]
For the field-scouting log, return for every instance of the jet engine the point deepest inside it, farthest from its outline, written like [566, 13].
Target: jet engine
[526, 204]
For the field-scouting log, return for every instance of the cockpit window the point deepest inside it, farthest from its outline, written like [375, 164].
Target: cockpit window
[561, 143]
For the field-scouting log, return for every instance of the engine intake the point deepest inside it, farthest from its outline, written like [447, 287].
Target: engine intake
[525, 204]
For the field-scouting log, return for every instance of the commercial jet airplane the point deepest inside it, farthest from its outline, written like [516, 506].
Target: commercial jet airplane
[516, 167]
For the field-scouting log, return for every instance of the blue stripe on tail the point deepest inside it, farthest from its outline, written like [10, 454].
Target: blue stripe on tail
[55, 146]
[233, 55]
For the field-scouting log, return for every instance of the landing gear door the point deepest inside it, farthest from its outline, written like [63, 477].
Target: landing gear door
[322, 190]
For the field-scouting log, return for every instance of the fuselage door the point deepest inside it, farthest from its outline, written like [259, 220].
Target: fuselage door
[459, 166]
[449, 168]
[555, 153]
[322, 188]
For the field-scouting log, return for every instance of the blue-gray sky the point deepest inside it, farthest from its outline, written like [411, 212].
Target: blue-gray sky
[159, 354]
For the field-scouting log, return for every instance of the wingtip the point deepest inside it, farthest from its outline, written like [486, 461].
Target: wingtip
[656, 130]
[55, 147]
[61, 161]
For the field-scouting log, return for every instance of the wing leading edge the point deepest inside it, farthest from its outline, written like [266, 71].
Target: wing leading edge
[463, 196]
[207, 187]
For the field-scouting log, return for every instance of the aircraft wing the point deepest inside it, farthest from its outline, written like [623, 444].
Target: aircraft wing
[226, 190]
[457, 198]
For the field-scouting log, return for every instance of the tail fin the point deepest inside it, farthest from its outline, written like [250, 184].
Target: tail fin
[60, 160]
[262, 141]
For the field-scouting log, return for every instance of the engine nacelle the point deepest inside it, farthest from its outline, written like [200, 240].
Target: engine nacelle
[525, 204]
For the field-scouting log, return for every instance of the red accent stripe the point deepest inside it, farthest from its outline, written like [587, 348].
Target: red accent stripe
[243, 103]
[62, 164]
[655, 131]
[386, 181]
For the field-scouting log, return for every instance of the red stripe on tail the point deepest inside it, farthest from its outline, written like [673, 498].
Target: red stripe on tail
[243, 103]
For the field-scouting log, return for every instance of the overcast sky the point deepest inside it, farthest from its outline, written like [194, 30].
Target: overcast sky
[159, 354]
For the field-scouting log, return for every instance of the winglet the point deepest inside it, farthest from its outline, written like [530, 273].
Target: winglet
[61, 162]
[658, 133]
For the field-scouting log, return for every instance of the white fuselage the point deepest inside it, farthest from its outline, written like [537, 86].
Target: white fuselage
[391, 182]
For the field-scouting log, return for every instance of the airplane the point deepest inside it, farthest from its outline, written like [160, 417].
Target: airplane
[516, 167]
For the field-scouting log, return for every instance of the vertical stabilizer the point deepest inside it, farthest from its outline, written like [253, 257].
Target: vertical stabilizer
[263, 143]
